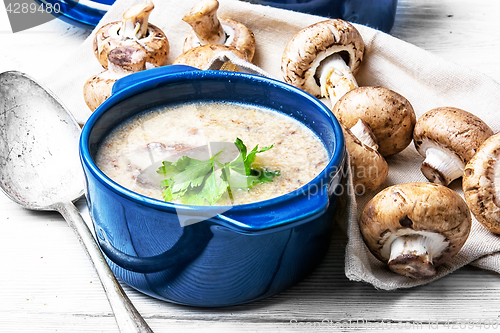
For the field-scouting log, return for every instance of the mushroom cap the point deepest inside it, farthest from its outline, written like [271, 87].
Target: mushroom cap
[97, 89]
[432, 210]
[481, 184]
[155, 43]
[310, 46]
[453, 129]
[239, 37]
[390, 116]
[201, 56]
[369, 168]
[122, 61]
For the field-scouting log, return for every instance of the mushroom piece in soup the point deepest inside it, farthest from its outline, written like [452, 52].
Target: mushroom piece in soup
[290, 151]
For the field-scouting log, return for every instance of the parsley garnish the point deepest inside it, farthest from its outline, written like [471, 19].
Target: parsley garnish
[195, 182]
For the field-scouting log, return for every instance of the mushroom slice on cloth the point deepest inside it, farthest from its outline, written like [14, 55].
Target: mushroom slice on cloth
[323, 58]
[369, 168]
[122, 61]
[389, 115]
[202, 56]
[134, 30]
[481, 184]
[415, 227]
[209, 29]
[448, 137]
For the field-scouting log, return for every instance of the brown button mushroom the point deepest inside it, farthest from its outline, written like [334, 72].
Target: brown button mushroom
[481, 184]
[415, 227]
[369, 168]
[448, 137]
[209, 29]
[323, 58]
[389, 115]
[134, 31]
[121, 62]
[201, 56]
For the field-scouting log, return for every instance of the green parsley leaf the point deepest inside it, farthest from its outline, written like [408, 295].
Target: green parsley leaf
[195, 182]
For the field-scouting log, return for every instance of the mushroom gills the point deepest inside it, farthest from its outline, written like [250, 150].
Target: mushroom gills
[412, 254]
[496, 181]
[363, 133]
[441, 166]
[336, 78]
[135, 21]
[491, 175]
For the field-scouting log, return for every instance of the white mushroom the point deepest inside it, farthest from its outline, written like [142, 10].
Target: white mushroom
[389, 115]
[448, 137]
[133, 30]
[209, 29]
[415, 227]
[323, 58]
[481, 184]
[122, 61]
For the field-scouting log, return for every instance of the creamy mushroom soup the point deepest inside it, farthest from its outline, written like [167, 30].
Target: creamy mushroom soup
[132, 148]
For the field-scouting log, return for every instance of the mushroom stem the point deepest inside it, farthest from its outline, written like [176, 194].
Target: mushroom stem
[203, 19]
[410, 256]
[336, 78]
[362, 131]
[441, 167]
[135, 21]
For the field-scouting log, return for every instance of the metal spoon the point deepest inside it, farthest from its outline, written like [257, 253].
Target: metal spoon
[40, 170]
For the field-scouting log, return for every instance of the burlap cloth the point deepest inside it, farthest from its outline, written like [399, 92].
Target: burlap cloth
[425, 80]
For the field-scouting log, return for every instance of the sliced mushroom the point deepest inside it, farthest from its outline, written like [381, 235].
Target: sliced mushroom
[448, 137]
[121, 62]
[415, 227]
[323, 58]
[369, 168]
[481, 184]
[201, 56]
[134, 30]
[209, 29]
[389, 115]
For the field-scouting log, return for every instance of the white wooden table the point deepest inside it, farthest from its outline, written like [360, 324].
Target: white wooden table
[47, 283]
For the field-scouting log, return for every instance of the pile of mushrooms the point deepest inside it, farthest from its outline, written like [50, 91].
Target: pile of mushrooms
[416, 227]
[378, 122]
[322, 59]
[124, 47]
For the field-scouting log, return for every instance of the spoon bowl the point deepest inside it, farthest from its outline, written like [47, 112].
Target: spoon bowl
[40, 170]
[39, 163]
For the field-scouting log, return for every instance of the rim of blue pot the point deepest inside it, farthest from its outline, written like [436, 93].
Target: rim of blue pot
[335, 163]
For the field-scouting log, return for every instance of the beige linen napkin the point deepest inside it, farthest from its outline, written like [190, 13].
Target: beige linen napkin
[425, 80]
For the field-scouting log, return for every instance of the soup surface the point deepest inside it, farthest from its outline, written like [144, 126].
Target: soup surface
[139, 144]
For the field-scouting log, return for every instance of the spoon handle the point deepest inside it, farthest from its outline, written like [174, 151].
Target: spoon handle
[127, 317]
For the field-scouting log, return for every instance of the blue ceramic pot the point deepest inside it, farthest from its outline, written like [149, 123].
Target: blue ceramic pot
[247, 252]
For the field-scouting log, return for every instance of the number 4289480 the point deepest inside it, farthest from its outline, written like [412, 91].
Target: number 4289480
[25, 8]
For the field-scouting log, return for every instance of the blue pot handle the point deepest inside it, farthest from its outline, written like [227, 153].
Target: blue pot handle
[153, 73]
[189, 246]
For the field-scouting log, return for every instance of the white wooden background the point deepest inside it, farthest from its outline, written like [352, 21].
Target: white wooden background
[48, 285]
